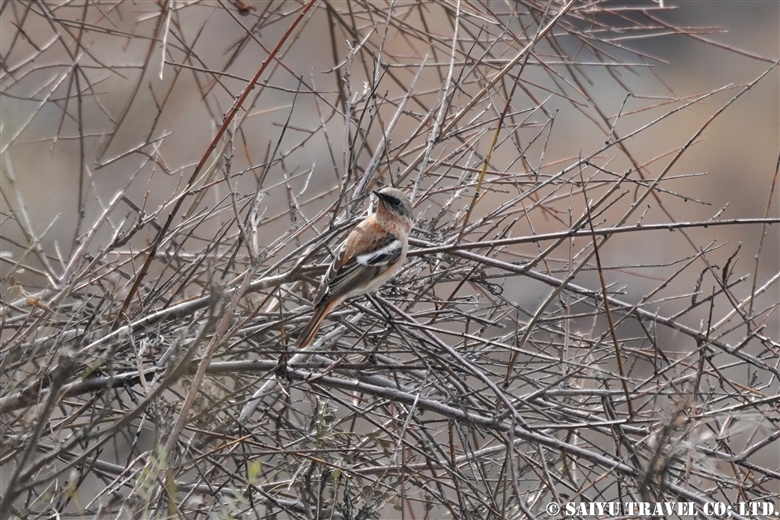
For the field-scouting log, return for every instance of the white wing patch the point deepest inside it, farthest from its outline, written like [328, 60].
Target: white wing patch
[374, 257]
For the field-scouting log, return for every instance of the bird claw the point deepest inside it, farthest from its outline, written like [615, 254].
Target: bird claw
[281, 366]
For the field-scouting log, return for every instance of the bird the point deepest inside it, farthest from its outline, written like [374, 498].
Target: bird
[370, 256]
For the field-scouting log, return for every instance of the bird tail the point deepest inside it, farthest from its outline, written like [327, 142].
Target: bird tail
[311, 328]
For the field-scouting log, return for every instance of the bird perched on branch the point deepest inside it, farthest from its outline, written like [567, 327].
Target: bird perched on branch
[372, 253]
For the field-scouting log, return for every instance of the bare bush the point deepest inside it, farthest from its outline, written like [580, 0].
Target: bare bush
[581, 319]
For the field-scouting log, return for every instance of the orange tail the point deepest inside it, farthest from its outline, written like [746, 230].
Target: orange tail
[311, 328]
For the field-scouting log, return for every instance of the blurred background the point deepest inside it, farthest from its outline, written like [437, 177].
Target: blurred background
[125, 104]
[107, 108]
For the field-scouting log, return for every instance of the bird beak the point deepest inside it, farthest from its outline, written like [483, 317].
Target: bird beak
[377, 194]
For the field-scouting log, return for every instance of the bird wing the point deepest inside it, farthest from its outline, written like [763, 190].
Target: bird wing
[366, 254]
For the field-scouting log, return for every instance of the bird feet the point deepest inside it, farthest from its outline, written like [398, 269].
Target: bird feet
[281, 365]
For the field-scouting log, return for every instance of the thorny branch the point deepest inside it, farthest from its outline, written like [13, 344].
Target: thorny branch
[582, 317]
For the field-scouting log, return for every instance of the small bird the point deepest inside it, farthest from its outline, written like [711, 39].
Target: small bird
[372, 253]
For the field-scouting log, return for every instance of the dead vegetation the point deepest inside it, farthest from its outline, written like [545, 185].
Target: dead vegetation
[176, 174]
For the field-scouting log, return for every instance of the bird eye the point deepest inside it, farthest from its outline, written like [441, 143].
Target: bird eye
[395, 202]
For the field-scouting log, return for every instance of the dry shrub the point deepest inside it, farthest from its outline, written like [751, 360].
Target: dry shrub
[581, 317]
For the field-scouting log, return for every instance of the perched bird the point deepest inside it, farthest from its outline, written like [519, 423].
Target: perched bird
[372, 253]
